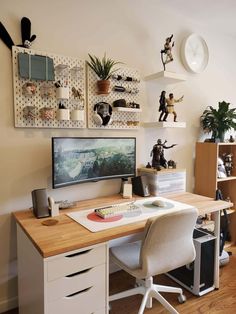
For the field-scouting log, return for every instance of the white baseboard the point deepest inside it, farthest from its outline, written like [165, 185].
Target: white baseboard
[8, 304]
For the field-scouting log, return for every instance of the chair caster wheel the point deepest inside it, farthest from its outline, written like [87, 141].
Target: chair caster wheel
[182, 298]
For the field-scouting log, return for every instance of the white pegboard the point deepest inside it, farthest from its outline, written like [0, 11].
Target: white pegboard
[73, 76]
[120, 120]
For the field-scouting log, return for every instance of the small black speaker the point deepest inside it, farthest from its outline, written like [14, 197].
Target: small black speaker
[40, 203]
[140, 186]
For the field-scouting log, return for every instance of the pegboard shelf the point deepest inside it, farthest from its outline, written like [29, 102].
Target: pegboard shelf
[122, 118]
[124, 109]
[41, 111]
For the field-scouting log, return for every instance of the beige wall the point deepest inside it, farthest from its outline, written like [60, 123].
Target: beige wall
[129, 31]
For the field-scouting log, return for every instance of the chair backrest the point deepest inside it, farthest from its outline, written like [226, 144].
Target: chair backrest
[168, 242]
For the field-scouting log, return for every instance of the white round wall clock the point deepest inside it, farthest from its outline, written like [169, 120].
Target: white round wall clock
[194, 53]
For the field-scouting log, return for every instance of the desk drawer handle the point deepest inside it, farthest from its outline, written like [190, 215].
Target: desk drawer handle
[79, 273]
[77, 254]
[79, 292]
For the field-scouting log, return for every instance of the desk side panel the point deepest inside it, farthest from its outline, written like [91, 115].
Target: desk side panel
[30, 276]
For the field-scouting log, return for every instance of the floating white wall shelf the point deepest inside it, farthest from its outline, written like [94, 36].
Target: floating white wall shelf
[165, 124]
[165, 77]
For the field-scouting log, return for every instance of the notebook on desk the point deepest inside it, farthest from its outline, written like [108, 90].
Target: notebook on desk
[144, 209]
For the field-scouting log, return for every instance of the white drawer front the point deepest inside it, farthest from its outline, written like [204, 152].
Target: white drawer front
[64, 286]
[72, 263]
[86, 302]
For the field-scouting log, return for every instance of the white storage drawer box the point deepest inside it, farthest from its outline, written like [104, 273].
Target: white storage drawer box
[165, 180]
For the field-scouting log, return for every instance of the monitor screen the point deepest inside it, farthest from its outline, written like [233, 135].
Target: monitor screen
[82, 159]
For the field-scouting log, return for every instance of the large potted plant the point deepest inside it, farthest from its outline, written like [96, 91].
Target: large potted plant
[218, 121]
[104, 68]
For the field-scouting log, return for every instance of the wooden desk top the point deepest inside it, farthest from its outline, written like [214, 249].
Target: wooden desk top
[68, 235]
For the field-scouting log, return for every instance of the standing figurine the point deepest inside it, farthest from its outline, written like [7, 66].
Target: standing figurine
[170, 106]
[167, 51]
[157, 154]
[162, 107]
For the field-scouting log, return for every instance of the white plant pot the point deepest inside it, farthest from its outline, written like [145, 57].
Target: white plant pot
[77, 115]
[63, 114]
[62, 92]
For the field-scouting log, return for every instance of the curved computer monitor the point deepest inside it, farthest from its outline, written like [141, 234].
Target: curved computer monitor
[83, 159]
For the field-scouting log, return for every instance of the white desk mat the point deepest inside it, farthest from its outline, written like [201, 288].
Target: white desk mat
[146, 210]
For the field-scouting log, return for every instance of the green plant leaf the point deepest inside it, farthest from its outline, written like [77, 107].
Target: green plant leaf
[104, 68]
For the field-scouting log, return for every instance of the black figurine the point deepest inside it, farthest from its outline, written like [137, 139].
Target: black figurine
[162, 107]
[157, 154]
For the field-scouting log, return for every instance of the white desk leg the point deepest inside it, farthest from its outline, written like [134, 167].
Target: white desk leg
[216, 217]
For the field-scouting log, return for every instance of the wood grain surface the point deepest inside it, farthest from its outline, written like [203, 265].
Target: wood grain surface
[68, 235]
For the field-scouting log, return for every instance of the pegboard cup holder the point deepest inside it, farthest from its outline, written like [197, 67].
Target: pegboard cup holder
[63, 114]
[77, 115]
[63, 92]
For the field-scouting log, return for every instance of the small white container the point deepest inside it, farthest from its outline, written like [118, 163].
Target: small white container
[62, 92]
[77, 115]
[63, 114]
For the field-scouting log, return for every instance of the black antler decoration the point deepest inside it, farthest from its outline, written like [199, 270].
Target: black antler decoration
[27, 39]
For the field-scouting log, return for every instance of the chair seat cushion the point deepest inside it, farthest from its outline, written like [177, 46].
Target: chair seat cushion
[127, 256]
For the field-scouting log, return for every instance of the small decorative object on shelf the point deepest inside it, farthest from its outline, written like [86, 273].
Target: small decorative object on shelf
[231, 139]
[162, 107]
[122, 89]
[170, 106]
[228, 163]
[171, 164]
[104, 69]
[218, 121]
[46, 90]
[148, 166]
[30, 112]
[29, 89]
[46, 113]
[167, 51]
[221, 172]
[157, 154]
[119, 77]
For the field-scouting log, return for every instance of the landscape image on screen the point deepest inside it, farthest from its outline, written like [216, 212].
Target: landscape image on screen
[78, 160]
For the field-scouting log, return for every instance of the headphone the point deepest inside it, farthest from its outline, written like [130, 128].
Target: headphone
[102, 113]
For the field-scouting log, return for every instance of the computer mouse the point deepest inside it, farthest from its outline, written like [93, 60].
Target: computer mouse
[159, 203]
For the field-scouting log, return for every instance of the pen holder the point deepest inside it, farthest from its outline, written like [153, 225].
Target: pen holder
[62, 93]
[63, 114]
[77, 115]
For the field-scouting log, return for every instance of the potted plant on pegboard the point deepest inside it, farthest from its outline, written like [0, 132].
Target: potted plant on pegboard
[104, 68]
[218, 121]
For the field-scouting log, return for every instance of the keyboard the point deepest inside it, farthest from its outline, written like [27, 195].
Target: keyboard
[115, 210]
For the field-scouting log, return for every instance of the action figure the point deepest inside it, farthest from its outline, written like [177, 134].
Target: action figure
[158, 159]
[228, 163]
[162, 107]
[170, 106]
[167, 51]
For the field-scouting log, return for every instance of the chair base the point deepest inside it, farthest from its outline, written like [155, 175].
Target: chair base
[150, 290]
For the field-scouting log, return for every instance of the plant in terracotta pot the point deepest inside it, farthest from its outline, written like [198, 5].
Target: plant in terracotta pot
[218, 121]
[104, 68]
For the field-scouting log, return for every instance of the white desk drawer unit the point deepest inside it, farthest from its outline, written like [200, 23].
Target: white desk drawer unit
[75, 282]
[70, 263]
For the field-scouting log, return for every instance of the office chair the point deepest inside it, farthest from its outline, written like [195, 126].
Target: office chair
[167, 244]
